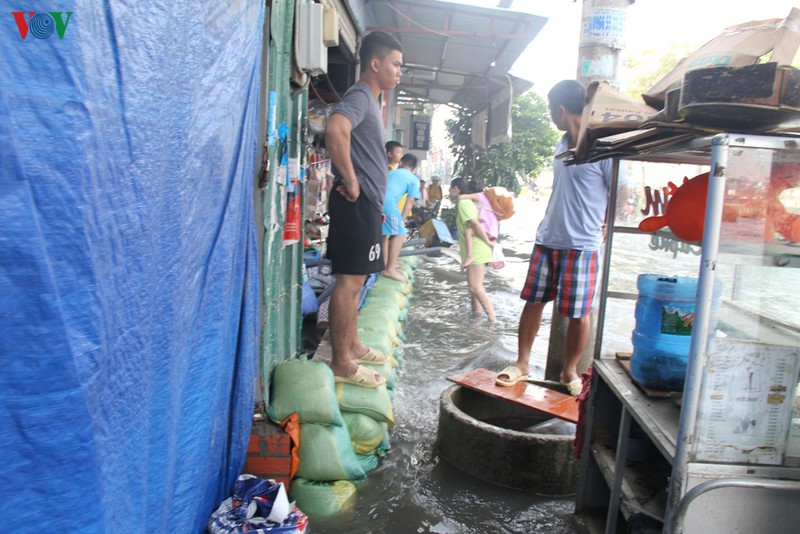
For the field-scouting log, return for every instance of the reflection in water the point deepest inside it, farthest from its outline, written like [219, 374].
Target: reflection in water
[413, 490]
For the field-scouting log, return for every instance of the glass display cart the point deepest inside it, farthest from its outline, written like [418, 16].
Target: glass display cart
[723, 454]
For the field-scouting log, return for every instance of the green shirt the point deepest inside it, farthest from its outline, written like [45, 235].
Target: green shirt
[481, 252]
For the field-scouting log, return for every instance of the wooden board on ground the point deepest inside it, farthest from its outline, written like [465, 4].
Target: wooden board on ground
[522, 393]
[624, 359]
[452, 254]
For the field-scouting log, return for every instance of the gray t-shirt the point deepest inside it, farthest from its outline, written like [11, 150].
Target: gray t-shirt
[367, 140]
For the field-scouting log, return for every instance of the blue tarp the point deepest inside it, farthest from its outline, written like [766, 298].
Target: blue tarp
[128, 269]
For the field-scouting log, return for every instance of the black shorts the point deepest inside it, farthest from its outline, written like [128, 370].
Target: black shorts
[354, 235]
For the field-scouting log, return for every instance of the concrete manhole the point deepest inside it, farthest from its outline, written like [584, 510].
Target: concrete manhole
[506, 444]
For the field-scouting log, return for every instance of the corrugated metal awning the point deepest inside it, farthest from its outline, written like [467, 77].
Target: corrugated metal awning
[456, 54]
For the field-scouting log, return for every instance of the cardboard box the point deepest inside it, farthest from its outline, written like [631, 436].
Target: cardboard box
[752, 97]
[607, 112]
[436, 233]
[739, 45]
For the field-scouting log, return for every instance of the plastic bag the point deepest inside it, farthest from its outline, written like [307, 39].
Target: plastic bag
[250, 495]
[498, 258]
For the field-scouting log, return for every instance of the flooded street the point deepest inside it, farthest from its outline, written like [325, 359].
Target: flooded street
[413, 490]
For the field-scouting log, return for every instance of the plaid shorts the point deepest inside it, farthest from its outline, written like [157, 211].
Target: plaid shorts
[570, 275]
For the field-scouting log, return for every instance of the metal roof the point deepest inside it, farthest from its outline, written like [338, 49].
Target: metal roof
[455, 54]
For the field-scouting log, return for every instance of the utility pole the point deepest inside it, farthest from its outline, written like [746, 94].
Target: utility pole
[602, 40]
[599, 50]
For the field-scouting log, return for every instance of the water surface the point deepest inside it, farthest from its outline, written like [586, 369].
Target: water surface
[413, 490]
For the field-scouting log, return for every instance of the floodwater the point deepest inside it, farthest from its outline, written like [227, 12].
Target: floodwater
[413, 490]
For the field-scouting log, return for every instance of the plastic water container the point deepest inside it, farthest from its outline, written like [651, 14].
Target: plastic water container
[663, 332]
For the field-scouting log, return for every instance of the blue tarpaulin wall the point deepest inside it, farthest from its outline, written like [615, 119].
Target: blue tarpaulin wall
[128, 263]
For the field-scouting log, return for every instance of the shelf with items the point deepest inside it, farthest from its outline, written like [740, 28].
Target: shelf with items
[742, 368]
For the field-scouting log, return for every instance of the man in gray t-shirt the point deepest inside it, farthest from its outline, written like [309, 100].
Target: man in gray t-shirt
[361, 108]
[354, 139]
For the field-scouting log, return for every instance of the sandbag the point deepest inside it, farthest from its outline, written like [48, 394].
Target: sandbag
[398, 357]
[306, 387]
[411, 261]
[408, 272]
[386, 296]
[376, 308]
[384, 445]
[321, 499]
[377, 323]
[383, 342]
[374, 402]
[326, 453]
[365, 432]
[403, 287]
[368, 462]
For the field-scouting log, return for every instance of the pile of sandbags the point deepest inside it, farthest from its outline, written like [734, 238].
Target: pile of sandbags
[344, 429]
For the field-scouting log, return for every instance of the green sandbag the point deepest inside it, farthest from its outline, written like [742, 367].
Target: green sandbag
[403, 287]
[411, 261]
[368, 462]
[408, 272]
[387, 294]
[384, 301]
[374, 402]
[380, 341]
[379, 323]
[319, 499]
[399, 357]
[326, 454]
[376, 308]
[398, 328]
[384, 445]
[365, 432]
[306, 387]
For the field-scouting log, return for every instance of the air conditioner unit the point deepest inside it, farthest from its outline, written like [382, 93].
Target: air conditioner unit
[312, 54]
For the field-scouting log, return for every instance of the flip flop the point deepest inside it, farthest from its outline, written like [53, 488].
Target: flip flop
[514, 375]
[574, 388]
[372, 357]
[363, 377]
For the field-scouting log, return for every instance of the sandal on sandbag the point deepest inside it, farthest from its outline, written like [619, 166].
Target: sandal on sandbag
[514, 375]
[372, 357]
[363, 377]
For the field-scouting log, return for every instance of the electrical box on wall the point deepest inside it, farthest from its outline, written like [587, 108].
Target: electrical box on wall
[312, 54]
[330, 27]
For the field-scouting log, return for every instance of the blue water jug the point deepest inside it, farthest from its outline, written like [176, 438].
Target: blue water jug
[663, 332]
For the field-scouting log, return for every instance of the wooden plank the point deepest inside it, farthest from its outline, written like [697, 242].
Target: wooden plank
[624, 359]
[522, 393]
